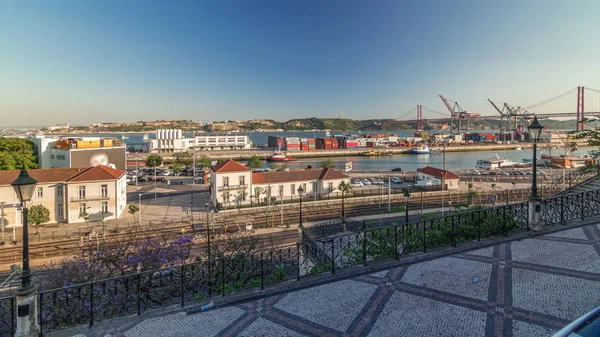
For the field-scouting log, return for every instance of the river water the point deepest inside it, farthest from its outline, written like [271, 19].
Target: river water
[454, 160]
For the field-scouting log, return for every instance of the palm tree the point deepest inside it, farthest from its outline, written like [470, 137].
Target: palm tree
[344, 187]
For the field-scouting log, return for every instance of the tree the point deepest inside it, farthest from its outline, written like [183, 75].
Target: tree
[308, 167]
[328, 163]
[183, 158]
[205, 161]
[279, 166]
[38, 214]
[132, 209]
[254, 162]
[17, 153]
[177, 167]
[154, 160]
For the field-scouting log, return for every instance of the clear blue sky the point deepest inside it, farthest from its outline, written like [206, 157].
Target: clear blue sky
[100, 61]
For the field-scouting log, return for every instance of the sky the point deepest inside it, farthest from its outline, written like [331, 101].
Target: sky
[84, 62]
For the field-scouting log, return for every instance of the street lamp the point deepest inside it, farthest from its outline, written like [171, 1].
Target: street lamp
[300, 193]
[207, 230]
[24, 186]
[406, 199]
[535, 130]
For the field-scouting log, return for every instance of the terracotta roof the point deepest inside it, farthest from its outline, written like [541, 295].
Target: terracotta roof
[98, 173]
[52, 175]
[329, 173]
[48, 175]
[438, 173]
[296, 175]
[230, 166]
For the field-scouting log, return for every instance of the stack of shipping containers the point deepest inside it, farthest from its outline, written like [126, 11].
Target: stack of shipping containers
[326, 143]
[276, 142]
[292, 144]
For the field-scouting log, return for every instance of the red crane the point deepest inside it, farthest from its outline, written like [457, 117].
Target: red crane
[457, 113]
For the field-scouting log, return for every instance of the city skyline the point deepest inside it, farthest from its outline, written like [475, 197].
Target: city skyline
[80, 63]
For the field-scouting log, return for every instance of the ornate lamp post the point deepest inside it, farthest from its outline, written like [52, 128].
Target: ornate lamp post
[300, 193]
[27, 310]
[535, 209]
[406, 199]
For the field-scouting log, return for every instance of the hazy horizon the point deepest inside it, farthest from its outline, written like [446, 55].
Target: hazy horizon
[86, 62]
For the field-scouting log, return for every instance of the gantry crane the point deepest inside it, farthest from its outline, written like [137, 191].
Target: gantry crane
[457, 113]
[504, 119]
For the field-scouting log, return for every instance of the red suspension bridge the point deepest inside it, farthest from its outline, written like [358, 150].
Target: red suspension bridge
[580, 103]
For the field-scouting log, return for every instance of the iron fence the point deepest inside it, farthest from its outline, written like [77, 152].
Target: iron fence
[321, 250]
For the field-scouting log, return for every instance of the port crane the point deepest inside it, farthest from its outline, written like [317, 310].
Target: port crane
[457, 113]
[504, 118]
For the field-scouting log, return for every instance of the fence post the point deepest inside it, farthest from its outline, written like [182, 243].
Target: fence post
[92, 304]
[562, 211]
[182, 286]
[333, 255]
[364, 244]
[424, 235]
[12, 315]
[453, 231]
[262, 271]
[223, 275]
[298, 254]
[396, 255]
[139, 292]
[582, 205]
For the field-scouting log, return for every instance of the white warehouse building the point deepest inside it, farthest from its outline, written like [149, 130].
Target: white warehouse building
[172, 140]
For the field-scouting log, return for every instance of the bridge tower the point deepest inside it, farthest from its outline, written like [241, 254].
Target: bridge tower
[419, 117]
[580, 108]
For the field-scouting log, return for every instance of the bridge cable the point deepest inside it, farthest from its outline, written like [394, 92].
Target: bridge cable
[551, 99]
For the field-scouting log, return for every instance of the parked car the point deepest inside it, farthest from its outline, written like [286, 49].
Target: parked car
[356, 184]
[366, 182]
[397, 169]
[587, 325]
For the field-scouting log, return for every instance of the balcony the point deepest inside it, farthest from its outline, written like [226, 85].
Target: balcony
[84, 198]
[231, 187]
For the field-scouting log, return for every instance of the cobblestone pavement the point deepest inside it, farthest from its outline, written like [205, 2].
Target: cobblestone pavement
[530, 287]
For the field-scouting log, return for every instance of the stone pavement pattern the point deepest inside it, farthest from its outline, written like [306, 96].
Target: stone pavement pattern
[531, 287]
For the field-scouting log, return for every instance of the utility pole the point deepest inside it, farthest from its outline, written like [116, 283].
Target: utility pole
[2, 218]
[194, 161]
[443, 177]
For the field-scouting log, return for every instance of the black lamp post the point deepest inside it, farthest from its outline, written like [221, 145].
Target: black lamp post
[300, 193]
[406, 199]
[24, 186]
[207, 230]
[535, 130]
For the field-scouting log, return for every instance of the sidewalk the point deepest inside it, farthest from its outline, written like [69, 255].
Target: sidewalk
[528, 287]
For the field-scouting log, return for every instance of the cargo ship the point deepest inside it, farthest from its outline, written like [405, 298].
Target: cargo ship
[277, 156]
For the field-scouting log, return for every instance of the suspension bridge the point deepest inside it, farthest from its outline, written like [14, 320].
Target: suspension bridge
[581, 103]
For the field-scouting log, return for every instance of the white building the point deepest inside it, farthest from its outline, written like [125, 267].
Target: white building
[431, 176]
[65, 152]
[232, 183]
[68, 193]
[168, 141]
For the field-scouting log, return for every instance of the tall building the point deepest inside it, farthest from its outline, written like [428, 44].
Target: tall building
[172, 140]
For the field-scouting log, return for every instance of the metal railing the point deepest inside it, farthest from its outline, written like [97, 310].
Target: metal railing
[320, 251]
[89, 198]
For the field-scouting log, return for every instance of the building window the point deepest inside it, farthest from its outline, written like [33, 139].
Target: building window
[59, 210]
[242, 180]
[226, 197]
[82, 209]
[293, 189]
[104, 208]
[82, 192]
[60, 157]
[104, 190]
[225, 181]
[330, 186]
[281, 190]
[51, 156]
[40, 192]
[314, 184]
[59, 191]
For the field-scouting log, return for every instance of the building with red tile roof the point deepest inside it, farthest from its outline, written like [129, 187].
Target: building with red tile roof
[437, 175]
[70, 194]
[234, 184]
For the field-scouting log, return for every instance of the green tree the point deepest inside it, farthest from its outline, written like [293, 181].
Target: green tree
[154, 160]
[205, 161]
[17, 153]
[38, 214]
[184, 158]
[254, 162]
[132, 209]
[177, 167]
[328, 163]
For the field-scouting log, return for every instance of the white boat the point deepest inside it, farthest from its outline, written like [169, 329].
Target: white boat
[421, 150]
[495, 163]
[123, 137]
[518, 148]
